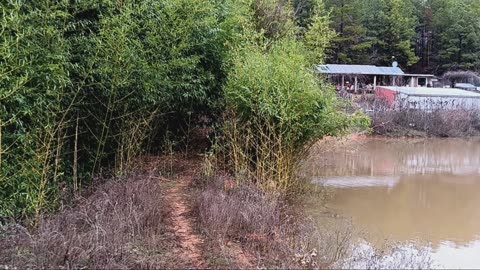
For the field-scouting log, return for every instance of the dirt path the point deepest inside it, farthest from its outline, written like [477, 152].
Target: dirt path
[190, 241]
[178, 196]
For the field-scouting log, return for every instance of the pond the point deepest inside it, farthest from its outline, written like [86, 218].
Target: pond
[425, 192]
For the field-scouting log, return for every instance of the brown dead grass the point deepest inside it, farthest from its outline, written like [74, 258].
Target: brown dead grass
[438, 121]
[150, 222]
[122, 224]
[145, 221]
[265, 228]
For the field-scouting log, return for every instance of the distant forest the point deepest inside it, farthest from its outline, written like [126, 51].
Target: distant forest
[427, 36]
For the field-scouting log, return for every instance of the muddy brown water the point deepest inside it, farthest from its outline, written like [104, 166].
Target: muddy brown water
[420, 191]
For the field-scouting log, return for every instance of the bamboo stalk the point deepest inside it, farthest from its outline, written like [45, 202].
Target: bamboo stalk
[44, 156]
[75, 160]
[58, 152]
[1, 150]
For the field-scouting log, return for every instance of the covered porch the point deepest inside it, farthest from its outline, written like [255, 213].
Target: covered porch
[361, 78]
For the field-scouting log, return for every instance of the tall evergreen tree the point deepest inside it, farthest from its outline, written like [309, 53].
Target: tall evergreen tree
[391, 30]
[350, 45]
[456, 28]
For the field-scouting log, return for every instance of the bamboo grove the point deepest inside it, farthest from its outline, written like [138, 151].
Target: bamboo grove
[86, 86]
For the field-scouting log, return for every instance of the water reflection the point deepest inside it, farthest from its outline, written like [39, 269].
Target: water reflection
[425, 191]
[379, 157]
[447, 256]
[434, 207]
[451, 256]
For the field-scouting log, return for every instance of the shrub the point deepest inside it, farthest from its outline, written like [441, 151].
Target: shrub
[276, 109]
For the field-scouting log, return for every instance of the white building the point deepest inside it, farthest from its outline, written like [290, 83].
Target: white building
[429, 98]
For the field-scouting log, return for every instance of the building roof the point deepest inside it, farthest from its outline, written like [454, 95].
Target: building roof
[419, 75]
[465, 85]
[432, 92]
[359, 70]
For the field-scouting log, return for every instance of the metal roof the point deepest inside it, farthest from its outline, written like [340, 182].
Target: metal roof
[359, 70]
[432, 92]
[419, 75]
[465, 85]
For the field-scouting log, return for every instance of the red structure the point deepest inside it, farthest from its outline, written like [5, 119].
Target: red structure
[386, 95]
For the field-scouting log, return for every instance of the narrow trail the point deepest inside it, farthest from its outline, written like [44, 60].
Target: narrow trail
[178, 196]
[183, 223]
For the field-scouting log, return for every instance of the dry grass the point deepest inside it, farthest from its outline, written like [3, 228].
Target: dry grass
[275, 232]
[125, 224]
[120, 225]
[438, 122]
[241, 213]
[391, 256]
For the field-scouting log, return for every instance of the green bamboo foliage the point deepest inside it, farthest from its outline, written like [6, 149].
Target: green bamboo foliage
[151, 64]
[84, 85]
[33, 77]
[277, 110]
[276, 107]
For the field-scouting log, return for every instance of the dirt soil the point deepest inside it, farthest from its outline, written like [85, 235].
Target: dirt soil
[191, 243]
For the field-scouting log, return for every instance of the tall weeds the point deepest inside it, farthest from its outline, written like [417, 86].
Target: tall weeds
[436, 120]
